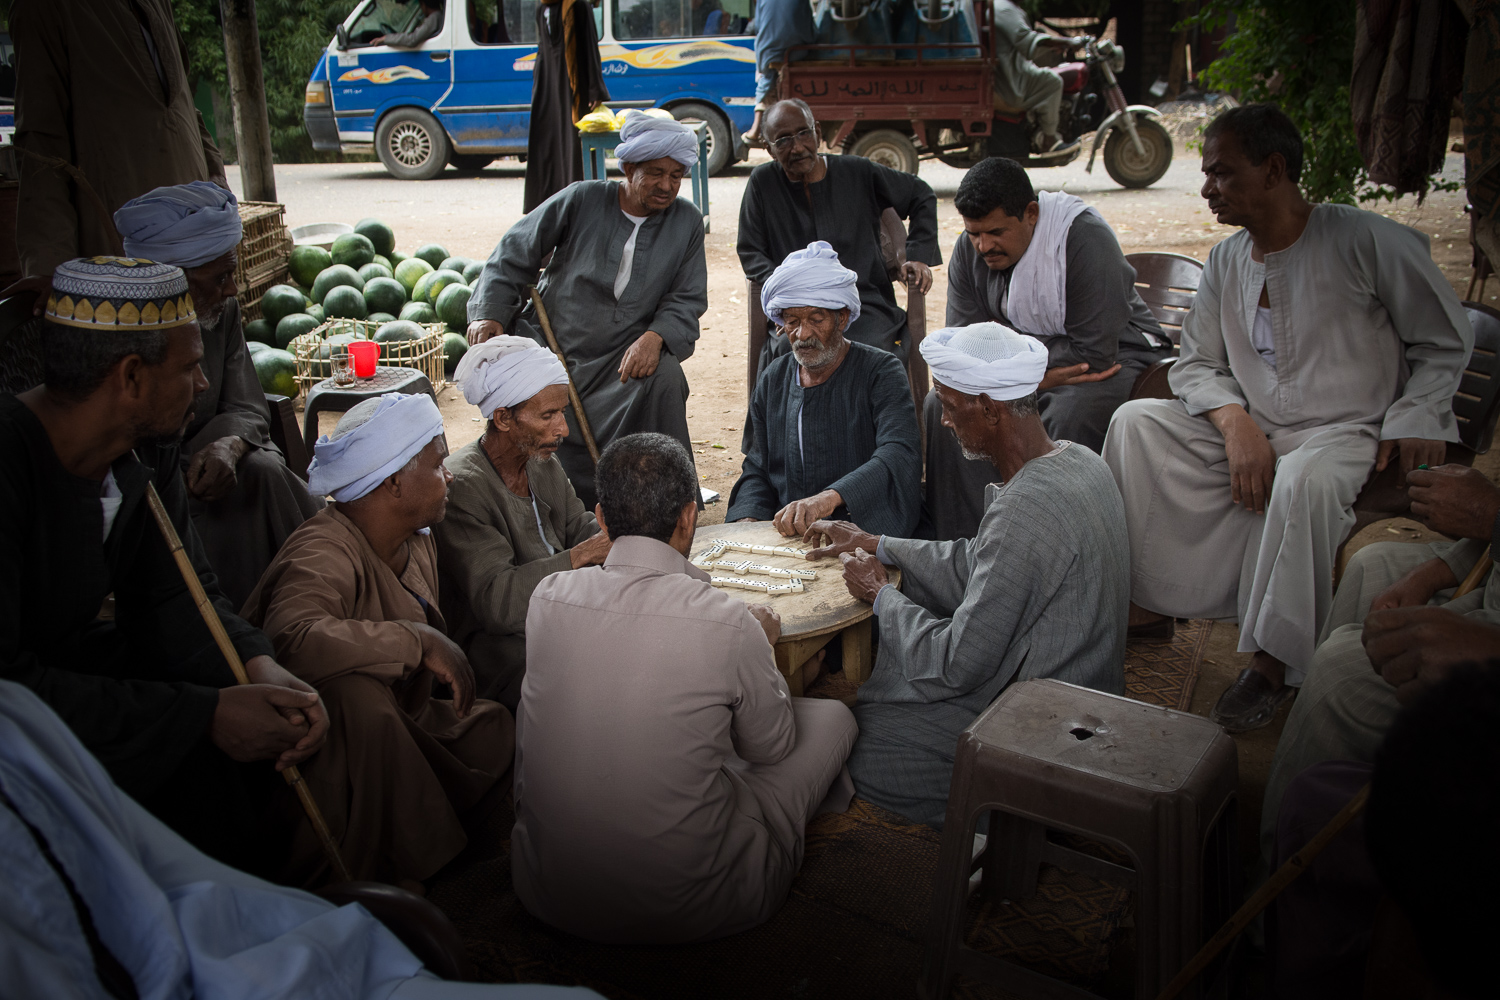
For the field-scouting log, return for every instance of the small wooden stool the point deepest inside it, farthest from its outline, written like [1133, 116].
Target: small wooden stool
[329, 395]
[1158, 784]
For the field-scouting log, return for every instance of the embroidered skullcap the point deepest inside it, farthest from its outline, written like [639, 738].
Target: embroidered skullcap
[811, 277]
[119, 294]
[185, 224]
[372, 441]
[645, 137]
[986, 358]
[507, 371]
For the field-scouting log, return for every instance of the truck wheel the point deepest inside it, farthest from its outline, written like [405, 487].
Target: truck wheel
[720, 142]
[1129, 168]
[470, 163]
[411, 144]
[888, 148]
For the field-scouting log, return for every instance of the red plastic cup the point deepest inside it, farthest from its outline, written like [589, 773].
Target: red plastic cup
[365, 353]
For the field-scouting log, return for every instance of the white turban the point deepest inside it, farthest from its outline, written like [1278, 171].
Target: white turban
[506, 371]
[186, 224]
[645, 137]
[811, 277]
[986, 358]
[351, 464]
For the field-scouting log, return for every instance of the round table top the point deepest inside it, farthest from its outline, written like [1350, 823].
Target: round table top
[825, 604]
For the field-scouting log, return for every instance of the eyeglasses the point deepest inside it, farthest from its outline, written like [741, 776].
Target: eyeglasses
[785, 142]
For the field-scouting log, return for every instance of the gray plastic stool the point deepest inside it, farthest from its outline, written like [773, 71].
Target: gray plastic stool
[326, 395]
[1159, 785]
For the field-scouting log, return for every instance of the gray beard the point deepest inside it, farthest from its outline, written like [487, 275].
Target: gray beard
[816, 359]
[974, 456]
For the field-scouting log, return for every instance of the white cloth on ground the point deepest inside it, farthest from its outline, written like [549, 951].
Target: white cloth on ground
[811, 277]
[185, 224]
[1038, 290]
[645, 137]
[178, 922]
[505, 371]
[349, 466]
[627, 255]
[986, 358]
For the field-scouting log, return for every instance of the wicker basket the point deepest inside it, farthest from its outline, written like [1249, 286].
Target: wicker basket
[425, 354]
[264, 252]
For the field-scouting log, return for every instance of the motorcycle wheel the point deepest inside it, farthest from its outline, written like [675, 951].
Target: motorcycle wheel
[1129, 168]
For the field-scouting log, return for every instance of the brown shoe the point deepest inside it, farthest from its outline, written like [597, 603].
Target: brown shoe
[1249, 703]
[1162, 628]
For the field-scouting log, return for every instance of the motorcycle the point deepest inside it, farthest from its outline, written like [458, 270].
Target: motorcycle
[1137, 148]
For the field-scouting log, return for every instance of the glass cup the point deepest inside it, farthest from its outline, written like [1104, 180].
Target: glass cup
[343, 369]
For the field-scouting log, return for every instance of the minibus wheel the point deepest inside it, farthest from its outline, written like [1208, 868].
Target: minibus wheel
[411, 144]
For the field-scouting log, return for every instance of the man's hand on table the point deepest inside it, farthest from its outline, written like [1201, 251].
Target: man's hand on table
[210, 473]
[769, 620]
[799, 515]
[1414, 452]
[1417, 587]
[642, 357]
[864, 574]
[592, 551]
[483, 329]
[275, 715]
[842, 536]
[1455, 500]
[917, 275]
[1414, 648]
[1074, 375]
[443, 658]
[1252, 460]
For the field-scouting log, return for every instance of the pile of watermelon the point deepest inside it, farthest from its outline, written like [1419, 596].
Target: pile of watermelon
[363, 276]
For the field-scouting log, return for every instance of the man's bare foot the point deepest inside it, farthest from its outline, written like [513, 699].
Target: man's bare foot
[813, 667]
[1269, 667]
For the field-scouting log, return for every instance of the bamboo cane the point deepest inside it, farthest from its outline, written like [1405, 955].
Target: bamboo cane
[1476, 576]
[583, 421]
[1285, 875]
[216, 627]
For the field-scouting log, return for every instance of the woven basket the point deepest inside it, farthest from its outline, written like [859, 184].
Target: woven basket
[425, 354]
[264, 252]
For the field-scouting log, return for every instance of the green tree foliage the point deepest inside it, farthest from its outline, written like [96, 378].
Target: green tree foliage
[293, 34]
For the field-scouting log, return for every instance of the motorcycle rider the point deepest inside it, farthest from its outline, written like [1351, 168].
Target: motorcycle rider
[1021, 83]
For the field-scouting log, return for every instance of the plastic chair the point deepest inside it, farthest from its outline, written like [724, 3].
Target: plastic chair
[326, 395]
[1159, 785]
[1168, 284]
[422, 927]
[893, 249]
[285, 433]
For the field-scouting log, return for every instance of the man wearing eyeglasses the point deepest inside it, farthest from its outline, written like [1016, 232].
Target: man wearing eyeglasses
[804, 196]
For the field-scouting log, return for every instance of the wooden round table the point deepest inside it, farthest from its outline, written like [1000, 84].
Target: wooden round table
[810, 620]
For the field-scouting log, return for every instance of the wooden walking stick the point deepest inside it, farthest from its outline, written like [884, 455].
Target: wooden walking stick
[583, 421]
[211, 619]
[1297, 863]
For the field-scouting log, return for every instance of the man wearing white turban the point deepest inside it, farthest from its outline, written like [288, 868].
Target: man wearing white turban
[833, 432]
[351, 605]
[624, 327]
[1041, 590]
[245, 501]
[513, 518]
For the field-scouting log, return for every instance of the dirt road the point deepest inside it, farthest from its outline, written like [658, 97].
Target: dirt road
[468, 215]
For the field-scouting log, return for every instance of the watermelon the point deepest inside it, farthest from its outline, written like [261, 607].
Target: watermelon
[472, 271]
[380, 235]
[378, 317]
[453, 305]
[455, 345]
[455, 264]
[261, 330]
[307, 263]
[419, 312]
[373, 270]
[315, 311]
[384, 262]
[401, 329]
[293, 326]
[432, 254]
[395, 257]
[279, 301]
[411, 271]
[419, 293]
[333, 277]
[353, 249]
[277, 371]
[255, 347]
[385, 294]
[337, 344]
[440, 281]
[343, 302]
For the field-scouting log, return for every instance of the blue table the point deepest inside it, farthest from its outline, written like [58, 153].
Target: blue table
[598, 145]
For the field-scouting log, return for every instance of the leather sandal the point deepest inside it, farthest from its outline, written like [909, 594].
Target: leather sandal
[1249, 703]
